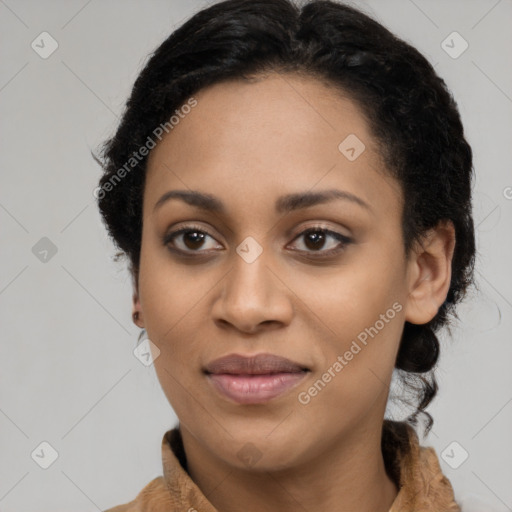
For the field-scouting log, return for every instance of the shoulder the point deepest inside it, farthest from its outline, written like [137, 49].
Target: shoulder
[153, 497]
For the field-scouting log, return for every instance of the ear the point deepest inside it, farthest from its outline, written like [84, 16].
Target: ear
[137, 315]
[429, 273]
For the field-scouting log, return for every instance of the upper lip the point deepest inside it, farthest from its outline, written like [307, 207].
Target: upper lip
[260, 364]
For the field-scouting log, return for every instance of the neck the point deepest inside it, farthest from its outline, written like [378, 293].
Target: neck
[350, 475]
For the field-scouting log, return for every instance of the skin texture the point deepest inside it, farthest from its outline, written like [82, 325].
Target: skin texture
[247, 143]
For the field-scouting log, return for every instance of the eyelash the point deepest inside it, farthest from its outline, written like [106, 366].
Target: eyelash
[344, 241]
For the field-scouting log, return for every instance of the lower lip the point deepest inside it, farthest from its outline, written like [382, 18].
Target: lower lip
[255, 389]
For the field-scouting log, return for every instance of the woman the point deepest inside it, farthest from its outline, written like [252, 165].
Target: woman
[292, 188]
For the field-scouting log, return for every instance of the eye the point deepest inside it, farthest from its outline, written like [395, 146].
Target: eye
[322, 240]
[190, 239]
[317, 239]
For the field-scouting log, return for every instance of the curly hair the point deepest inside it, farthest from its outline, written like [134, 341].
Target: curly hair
[410, 111]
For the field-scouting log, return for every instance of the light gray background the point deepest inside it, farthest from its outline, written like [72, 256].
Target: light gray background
[67, 372]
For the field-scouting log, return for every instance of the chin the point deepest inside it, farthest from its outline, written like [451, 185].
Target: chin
[260, 452]
[268, 458]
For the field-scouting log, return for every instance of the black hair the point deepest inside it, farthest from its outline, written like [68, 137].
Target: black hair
[410, 111]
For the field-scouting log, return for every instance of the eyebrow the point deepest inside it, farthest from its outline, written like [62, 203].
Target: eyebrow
[284, 204]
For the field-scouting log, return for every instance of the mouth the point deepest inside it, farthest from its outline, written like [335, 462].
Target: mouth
[254, 380]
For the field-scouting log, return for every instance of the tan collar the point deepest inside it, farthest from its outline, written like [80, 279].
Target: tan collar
[414, 468]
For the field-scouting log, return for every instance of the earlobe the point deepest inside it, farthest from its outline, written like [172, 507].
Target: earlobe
[137, 316]
[429, 273]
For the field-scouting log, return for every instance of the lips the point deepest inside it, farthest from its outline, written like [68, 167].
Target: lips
[256, 379]
[260, 364]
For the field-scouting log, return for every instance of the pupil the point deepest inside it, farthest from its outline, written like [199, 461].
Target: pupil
[317, 238]
[195, 239]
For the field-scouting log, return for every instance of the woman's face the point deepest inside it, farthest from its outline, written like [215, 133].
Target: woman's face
[248, 279]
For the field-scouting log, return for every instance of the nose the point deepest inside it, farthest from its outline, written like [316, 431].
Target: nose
[253, 297]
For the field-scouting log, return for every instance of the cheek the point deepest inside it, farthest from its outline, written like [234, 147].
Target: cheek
[358, 354]
[171, 299]
[170, 293]
[352, 296]
[359, 308]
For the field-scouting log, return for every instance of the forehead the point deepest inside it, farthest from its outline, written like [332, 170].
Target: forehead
[276, 134]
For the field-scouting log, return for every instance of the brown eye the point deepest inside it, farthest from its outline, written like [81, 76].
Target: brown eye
[314, 240]
[321, 240]
[193, 239]
[190, 240]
